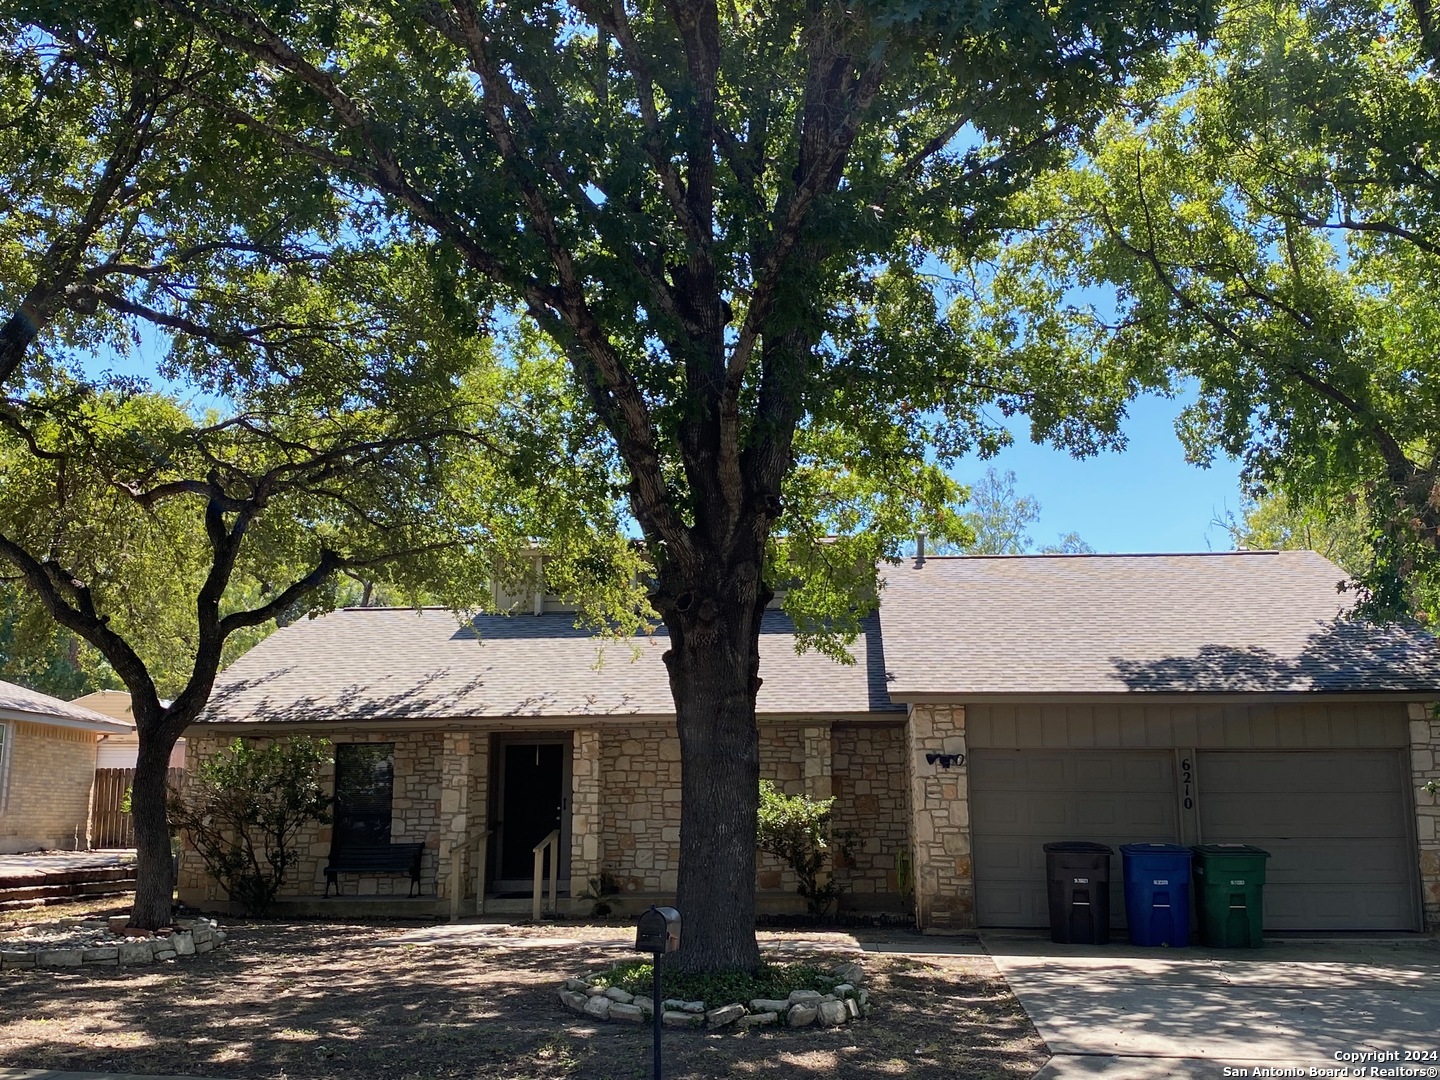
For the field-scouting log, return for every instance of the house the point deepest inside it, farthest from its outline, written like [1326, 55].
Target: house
[47, 769]
[995, 704]
[119, 751]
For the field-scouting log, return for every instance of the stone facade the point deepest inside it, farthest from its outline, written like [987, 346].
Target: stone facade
[418, 816]
[1425, 768]
[940, 813]
[625, 812]
[872, 810]
[585, 802]
[52, 772]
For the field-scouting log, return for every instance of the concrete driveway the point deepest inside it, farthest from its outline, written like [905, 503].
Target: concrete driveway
[1138, 1014]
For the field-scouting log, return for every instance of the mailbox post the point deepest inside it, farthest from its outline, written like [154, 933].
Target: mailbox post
[658, 933]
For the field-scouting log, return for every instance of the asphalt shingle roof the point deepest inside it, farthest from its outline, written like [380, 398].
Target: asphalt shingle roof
[379, 663]
[42, 707]
[1106, 624]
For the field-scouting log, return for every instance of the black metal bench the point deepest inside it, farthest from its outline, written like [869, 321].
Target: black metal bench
[375, 858]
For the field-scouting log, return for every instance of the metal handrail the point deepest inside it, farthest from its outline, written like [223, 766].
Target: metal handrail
[551, 842]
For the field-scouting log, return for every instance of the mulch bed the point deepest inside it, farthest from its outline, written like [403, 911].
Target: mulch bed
[302, 1000]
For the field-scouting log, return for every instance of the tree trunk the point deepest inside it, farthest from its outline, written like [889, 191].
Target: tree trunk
[713, 662]
[154, 865]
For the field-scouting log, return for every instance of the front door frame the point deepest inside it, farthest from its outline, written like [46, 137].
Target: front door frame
[498, 745]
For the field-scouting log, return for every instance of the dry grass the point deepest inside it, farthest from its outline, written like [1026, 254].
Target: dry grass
[75, 909]
[339, 1001]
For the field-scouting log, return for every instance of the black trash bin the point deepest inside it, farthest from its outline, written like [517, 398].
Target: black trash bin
[1078, 875]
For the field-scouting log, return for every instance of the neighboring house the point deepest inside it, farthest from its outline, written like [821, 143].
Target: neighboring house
[119, 751]
[1015, 700]
[47, 768]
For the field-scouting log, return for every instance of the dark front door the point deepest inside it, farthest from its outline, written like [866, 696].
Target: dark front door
[532, 803]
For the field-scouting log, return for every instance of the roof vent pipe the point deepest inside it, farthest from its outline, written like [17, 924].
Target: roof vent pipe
[920, 547]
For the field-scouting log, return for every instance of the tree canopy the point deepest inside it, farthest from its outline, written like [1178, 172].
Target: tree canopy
[1265, 213]
[720, 217]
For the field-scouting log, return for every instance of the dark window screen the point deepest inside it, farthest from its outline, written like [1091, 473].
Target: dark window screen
[364, 786]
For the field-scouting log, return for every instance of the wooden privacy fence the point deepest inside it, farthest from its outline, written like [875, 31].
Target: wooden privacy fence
[109, 826]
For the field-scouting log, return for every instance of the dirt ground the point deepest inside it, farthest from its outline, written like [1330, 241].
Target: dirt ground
[316, 1000]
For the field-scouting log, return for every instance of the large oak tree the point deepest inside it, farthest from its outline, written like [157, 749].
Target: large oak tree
[720, 215]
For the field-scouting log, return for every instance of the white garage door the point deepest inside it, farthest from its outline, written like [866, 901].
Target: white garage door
[1335, 824]
[1022, 799]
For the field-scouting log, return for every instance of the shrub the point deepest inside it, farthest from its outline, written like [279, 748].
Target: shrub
[796, 830]
[768, 981]
[243, 809]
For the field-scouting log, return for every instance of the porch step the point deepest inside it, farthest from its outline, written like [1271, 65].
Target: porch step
[66, 886]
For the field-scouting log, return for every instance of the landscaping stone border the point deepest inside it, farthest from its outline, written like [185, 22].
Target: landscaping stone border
[847, 1002]
[191, 937]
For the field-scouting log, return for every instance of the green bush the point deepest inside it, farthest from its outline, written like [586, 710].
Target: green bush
[796, 830]
[768, 981]
[243, 810]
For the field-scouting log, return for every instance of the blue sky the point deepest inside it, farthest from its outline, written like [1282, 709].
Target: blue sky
[1145, 498]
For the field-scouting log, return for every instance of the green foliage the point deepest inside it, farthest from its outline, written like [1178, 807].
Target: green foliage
[37, 653]
[244, 808]
[998, 522]
[1265, 215]
[768, 981]
[796, 830]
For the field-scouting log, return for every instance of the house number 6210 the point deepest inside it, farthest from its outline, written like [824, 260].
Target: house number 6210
[1187, 778]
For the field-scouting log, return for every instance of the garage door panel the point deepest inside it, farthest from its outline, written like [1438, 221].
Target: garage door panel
[1111, 796]
[1303, 816]
[1299, 773]
[1336, 826]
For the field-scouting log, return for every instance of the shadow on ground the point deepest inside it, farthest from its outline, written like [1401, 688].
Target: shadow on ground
[328, 1001]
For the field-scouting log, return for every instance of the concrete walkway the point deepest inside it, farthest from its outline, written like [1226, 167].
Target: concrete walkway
[37, 865]
[1143, 1014]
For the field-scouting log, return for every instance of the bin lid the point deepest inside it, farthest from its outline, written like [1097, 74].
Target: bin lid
[1229, 849]
[1154, 849]
[1078, 847]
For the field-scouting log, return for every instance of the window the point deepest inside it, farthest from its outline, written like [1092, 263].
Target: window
[364, 786]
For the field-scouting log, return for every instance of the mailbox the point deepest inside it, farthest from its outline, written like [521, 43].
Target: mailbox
[658, 930]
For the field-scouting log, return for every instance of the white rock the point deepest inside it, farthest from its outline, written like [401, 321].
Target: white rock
[799, 996]
[692, 1006]
[862, 996]
[60, 958]
[598, 1007]
[141, 951]
[802, 1015]
[105, 952]
[624, 997]
[725, 1014]
[853, 974]
[844, 990]
[594, 991]
[761, 1005]
[579, 985]
[764, 1019]
[832, 1013]
[672, 1003]
[164, 954]
[630, 1014]
[184, 943]
[644, 1003]
[682, 1019]
[853, 1008]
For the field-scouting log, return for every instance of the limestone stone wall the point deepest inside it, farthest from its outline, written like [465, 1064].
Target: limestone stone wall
[417, 817]
[640, 807]
[52, 770]
[871, 806]
[1424, 768]
[940, 810]
[585, 823]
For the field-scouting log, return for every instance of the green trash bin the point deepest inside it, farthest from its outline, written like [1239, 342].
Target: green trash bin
[1230, 894]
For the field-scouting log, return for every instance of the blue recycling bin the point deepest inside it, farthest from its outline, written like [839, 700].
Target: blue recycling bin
[1157, 893]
